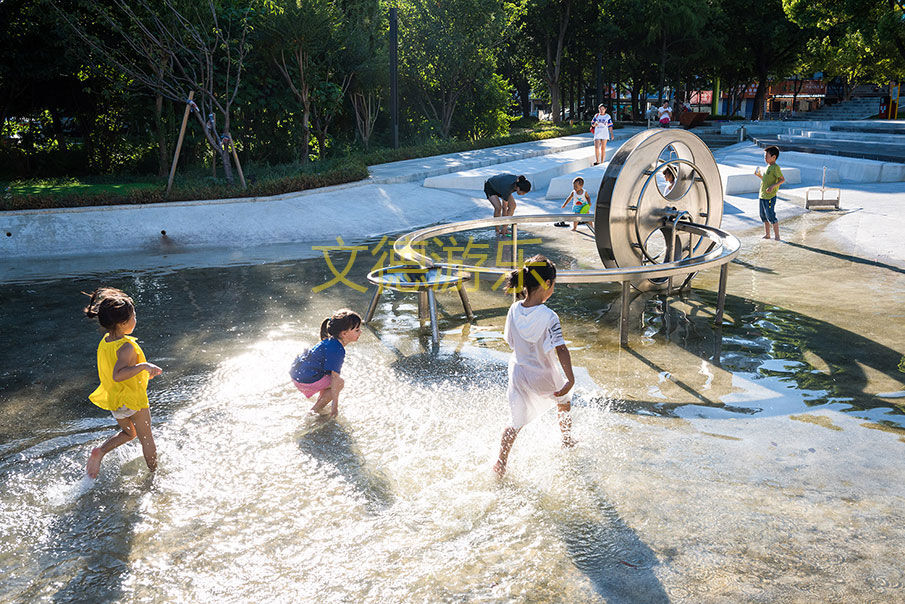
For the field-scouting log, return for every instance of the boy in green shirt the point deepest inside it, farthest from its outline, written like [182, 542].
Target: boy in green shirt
[769, 184]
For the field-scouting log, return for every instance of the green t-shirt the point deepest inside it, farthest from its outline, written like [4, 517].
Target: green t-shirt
[770, 178]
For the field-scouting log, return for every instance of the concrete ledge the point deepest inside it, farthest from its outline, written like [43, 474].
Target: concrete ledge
[561, 186]
[539, 170]
[847, 135]
[890, 172]
[784, 127]
[414, 170]
[741, 179]
[174, 227]
[810, 165]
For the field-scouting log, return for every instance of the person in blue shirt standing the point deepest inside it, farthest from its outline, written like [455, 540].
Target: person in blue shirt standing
[316, 371]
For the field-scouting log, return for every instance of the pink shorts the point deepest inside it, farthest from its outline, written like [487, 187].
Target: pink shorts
[310, 390]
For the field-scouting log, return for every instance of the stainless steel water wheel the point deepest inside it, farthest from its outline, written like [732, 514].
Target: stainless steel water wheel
[636, 215]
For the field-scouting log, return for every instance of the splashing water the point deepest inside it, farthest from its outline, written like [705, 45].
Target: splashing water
[698, 476]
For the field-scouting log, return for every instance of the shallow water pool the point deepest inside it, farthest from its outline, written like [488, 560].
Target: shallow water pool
[757, 463]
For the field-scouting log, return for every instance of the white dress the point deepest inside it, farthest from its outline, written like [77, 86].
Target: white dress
[534, 370]
[602, 125]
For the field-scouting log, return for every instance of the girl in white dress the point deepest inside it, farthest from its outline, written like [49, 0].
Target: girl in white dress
[535, 335]
[602, 127]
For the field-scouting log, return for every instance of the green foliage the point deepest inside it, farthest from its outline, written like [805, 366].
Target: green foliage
[85, 101]
[485, 112]
[448, 47]
[268, 180]
[859, 39]
[264, 179]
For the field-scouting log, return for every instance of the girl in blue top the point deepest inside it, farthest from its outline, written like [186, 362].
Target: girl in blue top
[317, 369]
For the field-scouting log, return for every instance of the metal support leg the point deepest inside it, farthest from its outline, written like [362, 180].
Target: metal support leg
[465, 303]
[514, 246]
[668, 235]
[422, 304]
[623, 319]
[373, 305]
[435, 331]
[721, 295]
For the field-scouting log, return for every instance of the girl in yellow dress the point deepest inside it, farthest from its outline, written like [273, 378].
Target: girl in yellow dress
[124, 373]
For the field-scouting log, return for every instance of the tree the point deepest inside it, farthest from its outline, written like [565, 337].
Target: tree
[444, 47]
[368, 46]
[173, 47]
[766, 42]
[859, 39]
[298, 36]
[547, 26]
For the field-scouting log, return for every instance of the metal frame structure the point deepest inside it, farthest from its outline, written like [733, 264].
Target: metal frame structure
[828, 196]
[628, 212]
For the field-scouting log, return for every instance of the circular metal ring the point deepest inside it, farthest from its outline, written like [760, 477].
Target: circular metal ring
[724, 247]
[416, 277]
[664, 214]
[628, 212]
[621, 238]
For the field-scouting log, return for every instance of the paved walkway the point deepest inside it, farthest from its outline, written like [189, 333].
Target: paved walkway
[42, 243]
[412, 170]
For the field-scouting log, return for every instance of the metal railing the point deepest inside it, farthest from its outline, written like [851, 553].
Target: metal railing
[723, 248]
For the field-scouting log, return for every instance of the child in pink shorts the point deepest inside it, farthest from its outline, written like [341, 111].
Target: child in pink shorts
[317, 369]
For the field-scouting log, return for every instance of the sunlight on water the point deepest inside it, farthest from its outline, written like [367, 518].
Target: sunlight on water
[709, 467]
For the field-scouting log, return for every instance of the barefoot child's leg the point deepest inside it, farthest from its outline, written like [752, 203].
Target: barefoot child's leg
[565, 423]
[776, 231]
[142, 423]
[509, 435]
[323, 400]
[94, 462]
[330, 395]
[97, 454]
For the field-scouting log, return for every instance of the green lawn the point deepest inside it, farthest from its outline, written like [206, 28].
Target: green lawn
[60, 192]
[61, 187]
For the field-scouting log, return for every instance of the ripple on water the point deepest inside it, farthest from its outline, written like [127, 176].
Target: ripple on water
[257, 501]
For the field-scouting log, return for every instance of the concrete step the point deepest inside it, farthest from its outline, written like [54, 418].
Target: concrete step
[876, 127]
[811, 164]
[740, 179]
[561, 186]
[539, 170]
[843, 135]
[841, 140]
[848, 153]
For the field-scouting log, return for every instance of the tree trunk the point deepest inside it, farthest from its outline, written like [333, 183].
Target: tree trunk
[598, 79]
[554, 64]
[662, 69]
[524, 95]
[562, 105]
[227, 164]
[555, 101]
[366, 106]
[306, 133]
[572, 98]
[163, 158]
[635, 93]
[759, 96]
